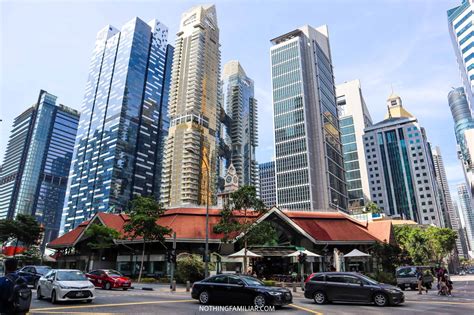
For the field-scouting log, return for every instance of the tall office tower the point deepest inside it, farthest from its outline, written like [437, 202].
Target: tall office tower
[402, 178]
[118, 149]
[35, 171]
[309, 163]
[354, 117]
[462, 232]
[450, 214]
[468, 214]
[461, 30]
[241, 106]
[267, 183]
[190, 162]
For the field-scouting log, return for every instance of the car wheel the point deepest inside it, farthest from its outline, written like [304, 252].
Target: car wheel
[402, 287]
[319, 298]
[413, 287]
[380, 299]
[107, 286]
[204, 297]
[125, 289]
[38, 294]
[259, 301]
[54, 298]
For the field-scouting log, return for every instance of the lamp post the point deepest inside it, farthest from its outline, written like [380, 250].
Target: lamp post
[206, 248]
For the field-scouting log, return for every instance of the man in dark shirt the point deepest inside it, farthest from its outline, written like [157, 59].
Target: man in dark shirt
[6, 286]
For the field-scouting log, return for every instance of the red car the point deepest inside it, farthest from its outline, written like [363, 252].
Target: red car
[109, 279]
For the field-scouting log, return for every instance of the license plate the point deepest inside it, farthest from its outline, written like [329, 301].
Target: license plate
[79, 294]
[126, 284]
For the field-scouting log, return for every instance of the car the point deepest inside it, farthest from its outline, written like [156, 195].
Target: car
[65, 285]
[109, 279]
[406, 277]
[232, 289]
[33, 273]
[325, 287]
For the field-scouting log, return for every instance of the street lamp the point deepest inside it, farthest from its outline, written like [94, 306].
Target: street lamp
[206, 248]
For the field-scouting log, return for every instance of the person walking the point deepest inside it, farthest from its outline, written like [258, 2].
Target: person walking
[419, 277]
[15, 296]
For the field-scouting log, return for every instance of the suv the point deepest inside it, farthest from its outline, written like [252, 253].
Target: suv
[326, 287]
[33, 273]
[406, 277]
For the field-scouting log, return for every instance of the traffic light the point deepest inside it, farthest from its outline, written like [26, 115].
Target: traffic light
[302, 257]
[173, 256]
[168, 256]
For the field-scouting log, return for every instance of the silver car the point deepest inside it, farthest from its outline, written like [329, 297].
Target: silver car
[65, 285]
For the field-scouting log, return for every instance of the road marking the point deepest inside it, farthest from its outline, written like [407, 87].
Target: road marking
[439, 302]
[108, 305]
[51, 312]
[305, 309]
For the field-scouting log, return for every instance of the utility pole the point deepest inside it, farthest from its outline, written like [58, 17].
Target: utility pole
[173, 260]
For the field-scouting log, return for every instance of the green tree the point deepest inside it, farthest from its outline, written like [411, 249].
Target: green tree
[190, 267]
[234, 220]
[144, 213]
[262, 234]
[442, 242]
[24, 229]
[372, 208]
[100, 237]
[387, 256]
[413, 243]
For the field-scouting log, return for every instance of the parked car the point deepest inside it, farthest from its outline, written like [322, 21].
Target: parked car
[33, 273]
[406, 277]
[326, 287]
[65, 285]
[109, 279]
[231, 289]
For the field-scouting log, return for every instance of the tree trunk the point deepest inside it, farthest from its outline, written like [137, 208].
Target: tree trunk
[141, 264]
[16, 246]
[245, 257]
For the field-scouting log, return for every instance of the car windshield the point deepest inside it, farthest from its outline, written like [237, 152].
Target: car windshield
[252, 281]
[73, 275]
[113, 273]
[369, 280]
[43, 270]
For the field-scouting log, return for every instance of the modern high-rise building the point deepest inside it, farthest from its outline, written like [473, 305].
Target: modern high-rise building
[354, 117]
[190, 160]
[35, 171]
[241, 107]
[462, 232]
[309, 162]
[468, 214]
[461, 30]
[267, 183]
[119, 145]
[401, 173]
[450, 214]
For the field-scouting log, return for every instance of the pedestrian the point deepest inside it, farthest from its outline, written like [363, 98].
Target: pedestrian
[449, 283]
[15, 296]
[419, 277]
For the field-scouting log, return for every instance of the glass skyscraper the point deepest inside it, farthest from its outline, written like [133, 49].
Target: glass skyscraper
[119, 145]
[465, 204]
[267, 183]
[35, 171]
[242, 137]
[309, 162]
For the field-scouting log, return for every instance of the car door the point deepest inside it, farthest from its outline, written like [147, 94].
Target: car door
[335, 287]
[355, 289]
[217, 288]
[48, 284]
[237, 290]
[93, 277]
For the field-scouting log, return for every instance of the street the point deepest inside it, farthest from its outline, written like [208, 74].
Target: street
[161, 301]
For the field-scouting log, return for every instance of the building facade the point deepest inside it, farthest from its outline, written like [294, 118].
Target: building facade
[354, 117]
[267, 183]
[119, 145]
[190, 160]
[401, 173]
[309, 162]
[468, 215]
[461, 30]
[35, 171]
[242, 136]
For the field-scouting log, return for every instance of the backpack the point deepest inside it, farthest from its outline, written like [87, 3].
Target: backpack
[20, 298]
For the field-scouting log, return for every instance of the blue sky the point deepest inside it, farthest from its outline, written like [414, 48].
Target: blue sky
[47, 45]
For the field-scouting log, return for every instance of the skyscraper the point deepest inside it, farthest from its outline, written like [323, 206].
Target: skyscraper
[450, 214]
[462, 231]
[468, 214]
[241, 106]
[190, 160]
[402, 179]
[354, 117]
[118, 149]
[35, 171]
[309, 162]
[461, 30]
[267, 183]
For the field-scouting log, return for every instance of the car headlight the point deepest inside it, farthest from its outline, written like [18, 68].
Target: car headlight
[63, 286]
[91, 286]
[275, 293]
[393, 290]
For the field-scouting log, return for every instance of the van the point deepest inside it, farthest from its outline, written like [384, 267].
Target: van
[406, 277]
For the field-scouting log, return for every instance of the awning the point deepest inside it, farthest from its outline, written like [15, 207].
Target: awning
[307, 252]
[243, 253]
[270, 252]
[356, 253]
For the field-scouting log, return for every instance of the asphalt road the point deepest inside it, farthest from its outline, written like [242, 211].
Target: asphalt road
[161, 301]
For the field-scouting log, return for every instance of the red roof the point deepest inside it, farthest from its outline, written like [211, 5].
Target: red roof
[69, 238]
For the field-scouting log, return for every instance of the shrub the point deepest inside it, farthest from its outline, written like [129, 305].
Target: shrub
[190, 268]
[148, 280]
[385, 277]
[269, 283]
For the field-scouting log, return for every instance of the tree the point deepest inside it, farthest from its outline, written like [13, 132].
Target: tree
[190, 267]
[413, 243]
[100, 237]
[373, 208]
[144, 213]
[442, 242]
[262, 234]
[234, 219]
[24, 229]
[387, 255]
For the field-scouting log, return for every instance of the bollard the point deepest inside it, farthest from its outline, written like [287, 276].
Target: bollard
[294, 286]
[188, 284]
[173, 287]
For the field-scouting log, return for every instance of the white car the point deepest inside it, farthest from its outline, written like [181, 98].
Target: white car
[65, 285]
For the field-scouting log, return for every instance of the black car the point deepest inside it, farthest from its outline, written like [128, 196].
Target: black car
[350, 287]
[33, 273]
[243, 290]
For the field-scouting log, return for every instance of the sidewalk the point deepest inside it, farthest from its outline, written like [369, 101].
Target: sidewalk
[160, 287]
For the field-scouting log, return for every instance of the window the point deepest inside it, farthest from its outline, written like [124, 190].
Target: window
[219, 279]
[352, 280]
[235, 280]
[318, 278]
[335, 278]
